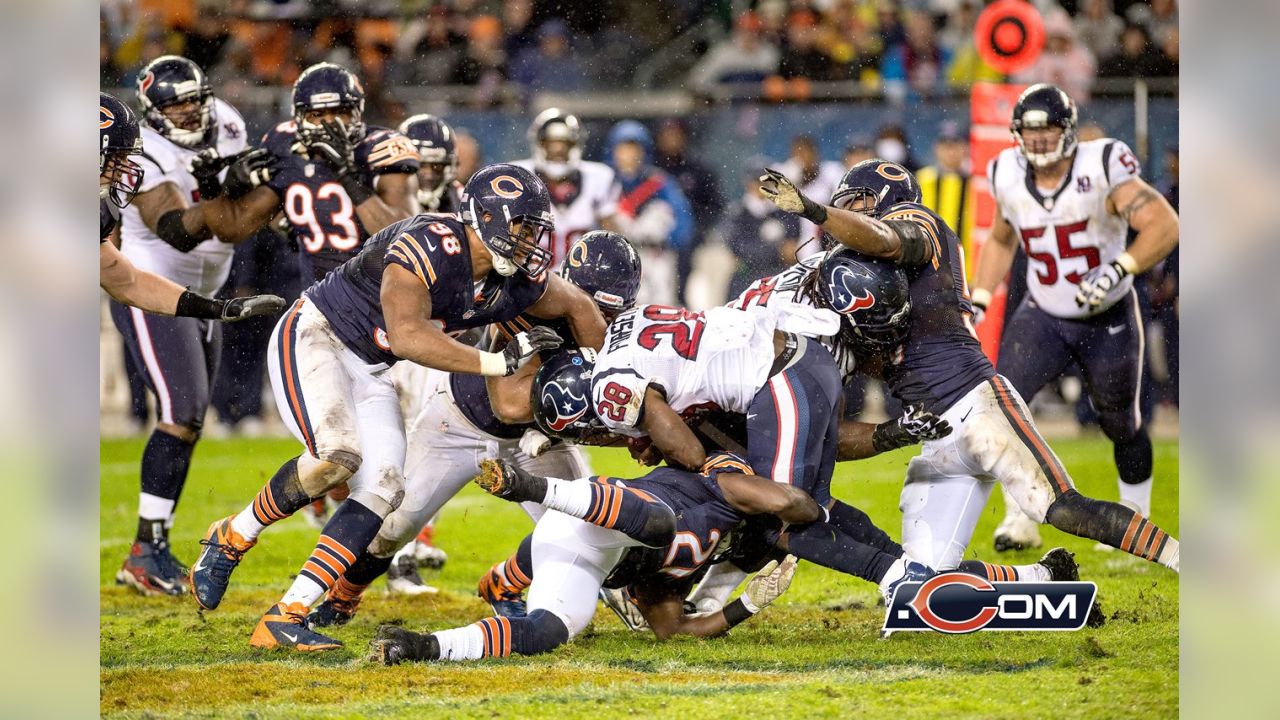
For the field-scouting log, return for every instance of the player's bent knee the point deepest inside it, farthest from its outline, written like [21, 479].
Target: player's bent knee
[318, 475]
[659, 527]
[541, 631]
[188, 433]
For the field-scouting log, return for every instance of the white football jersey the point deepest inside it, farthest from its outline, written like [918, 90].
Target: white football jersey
[796, 313]
[207, 266]
[719, 358]
[578, 206]
[1067, 232]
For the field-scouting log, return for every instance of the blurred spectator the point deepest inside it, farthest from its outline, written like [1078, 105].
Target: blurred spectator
[1157, 16]
[958, 29]
[652, 212]
[858, 149]
[1135, 58]
[816, 177]
[484, 64]
[427, 52]
[698, 184]
[892, 33]
[108, 72]
[762, 237]
[945, 186]
[1064, 62]
[207, 38]
[520, 35]
[891, 144]
[800, 54]
[918, 60]
[851, 42]
[744, 57]
[1166, 64]
[550, 65]
[470, 155]
[1098, 27]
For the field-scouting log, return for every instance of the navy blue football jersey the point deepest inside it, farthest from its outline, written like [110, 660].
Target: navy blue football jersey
[942, 359]
[435, 249]
[322, 218]
[108, 219]
[703, 517]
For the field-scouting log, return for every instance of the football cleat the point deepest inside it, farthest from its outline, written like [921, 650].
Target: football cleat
[1061, 565]
[503, 479]
[424, 549]
[403, 577]
[333, 612]
[505, 601]
[223, 550]
[620, 602]
[903, 570]
[1017, 532]
[286, 626]
[152, 570]
[394, 645]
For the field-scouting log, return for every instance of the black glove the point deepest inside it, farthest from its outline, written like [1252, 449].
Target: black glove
[249, 169]
[527, 343]
[915, 425]
[205, 167]
[238, 309]
[332, 146]
[787, 196]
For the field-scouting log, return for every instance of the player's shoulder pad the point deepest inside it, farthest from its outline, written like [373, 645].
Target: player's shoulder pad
[1117, 161]
[935, 231]
[618, 395]
[279, 138]
[424, 244]
[227, 113]
[383, 150]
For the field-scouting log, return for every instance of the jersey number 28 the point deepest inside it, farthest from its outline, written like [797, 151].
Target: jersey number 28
[682, 327]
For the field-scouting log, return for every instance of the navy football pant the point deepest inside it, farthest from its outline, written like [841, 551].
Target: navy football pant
[178, 357]
[1109, 349]
[793, 424]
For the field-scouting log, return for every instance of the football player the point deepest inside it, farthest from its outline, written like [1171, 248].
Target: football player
[1071, 206]
[584, 193]
[939, 365]
[337, 180]
[467, 418]
[413, 284]
[684, 513]
[180, 118]
[438, 186]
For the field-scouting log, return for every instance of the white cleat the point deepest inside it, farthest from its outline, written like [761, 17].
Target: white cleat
[1017, 532]
[403, 578]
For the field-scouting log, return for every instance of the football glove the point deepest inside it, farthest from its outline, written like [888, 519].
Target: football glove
[249, 170]
[238, 309]
[333, 147]
[916, 425]
[533, 443]
[775, 186]
[980, 299]
[205, 167]
[769, 584]
[1099, 281]
[527, 343]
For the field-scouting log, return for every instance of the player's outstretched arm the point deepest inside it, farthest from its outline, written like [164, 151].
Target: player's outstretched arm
[563, 299]
[406, 307]
[754, 495]
[509, 396]
[993, 263]
[669, 433]
[234, 220]
[1151, 217]
[859, 440]
[663, 607]
[164, 211]
[153, 293]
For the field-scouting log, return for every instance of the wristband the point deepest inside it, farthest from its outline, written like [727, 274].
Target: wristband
[1127, 262]
[493, 364]
[735, 612]
[980, 297]
[198, 306]
[357, 192]
[813, 212]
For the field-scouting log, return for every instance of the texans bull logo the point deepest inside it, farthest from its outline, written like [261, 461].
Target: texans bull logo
[567, 406]
[842, 294]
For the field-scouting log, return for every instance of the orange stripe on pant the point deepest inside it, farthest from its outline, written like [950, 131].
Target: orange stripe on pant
[1044, 456]
[292, 390]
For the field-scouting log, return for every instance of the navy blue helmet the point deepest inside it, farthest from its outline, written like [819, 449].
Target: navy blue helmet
[499, 197]
[1042, 106]
[561, 395]
[885, 183]
[118, 138]
[438, 155]
[171, 80]
[872, 296]
[606, 267]
[325, 86]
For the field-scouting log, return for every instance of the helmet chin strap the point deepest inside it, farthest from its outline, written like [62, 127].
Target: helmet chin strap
[430, 199]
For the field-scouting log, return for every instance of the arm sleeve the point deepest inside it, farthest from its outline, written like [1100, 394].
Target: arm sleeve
[1120, 163]
[387, 151]
[618, 399]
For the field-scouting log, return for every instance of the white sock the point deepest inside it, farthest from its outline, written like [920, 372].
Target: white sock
[571, 497]
[1137, 496]
[246, 524]
[153, 507]
[1170, 556]
[716, 586]
[464, 643]
[1036, 572]
[894, 573]
[303, 590]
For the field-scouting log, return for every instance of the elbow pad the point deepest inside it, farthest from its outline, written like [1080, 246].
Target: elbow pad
[916, 247]
[172, 231]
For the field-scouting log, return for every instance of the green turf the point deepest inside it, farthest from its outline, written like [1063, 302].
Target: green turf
[815, 653]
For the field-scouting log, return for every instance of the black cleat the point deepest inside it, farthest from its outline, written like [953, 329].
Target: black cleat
[1061, 564]
[333, 612]
[152, 570]
[503, 479]
[394, 645]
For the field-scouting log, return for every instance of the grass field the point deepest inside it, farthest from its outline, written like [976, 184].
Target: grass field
[814, 653]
